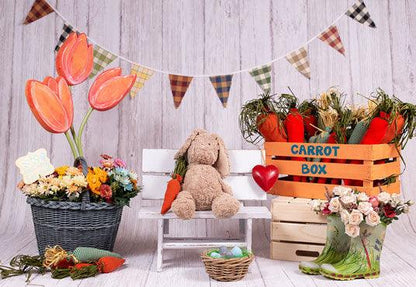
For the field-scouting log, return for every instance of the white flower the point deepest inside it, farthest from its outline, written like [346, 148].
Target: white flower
[80, 180]
[133, 175]
[345, 216]
[372, 218]
[316, 205]
[352, 230]
[384, 197]
[362, 196]
[405, 208]
[395, 200]
[334, 204]
[356, 217]
[365, 207]
[341, 190]
[349, 198]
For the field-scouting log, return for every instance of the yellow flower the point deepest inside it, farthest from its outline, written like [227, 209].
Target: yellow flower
[61, 170]
[95, 178]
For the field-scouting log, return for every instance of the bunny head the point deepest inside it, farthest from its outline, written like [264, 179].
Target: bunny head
[202, 147]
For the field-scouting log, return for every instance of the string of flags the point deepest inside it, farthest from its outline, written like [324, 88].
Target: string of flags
[179, 83]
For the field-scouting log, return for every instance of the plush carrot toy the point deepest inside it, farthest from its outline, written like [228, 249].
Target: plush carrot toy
[271, 128]
[174, 185]
[109, 264]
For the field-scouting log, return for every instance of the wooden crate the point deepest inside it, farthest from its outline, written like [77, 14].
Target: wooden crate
[297, 233]
[369, 171]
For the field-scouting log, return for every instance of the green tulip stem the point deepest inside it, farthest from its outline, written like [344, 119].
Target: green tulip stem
[71, 144]
[81, 130]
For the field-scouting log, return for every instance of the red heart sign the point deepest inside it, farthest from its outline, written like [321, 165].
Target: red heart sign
[265, 176]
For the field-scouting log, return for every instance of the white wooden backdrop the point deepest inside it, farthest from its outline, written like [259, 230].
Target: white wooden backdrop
[191, 36]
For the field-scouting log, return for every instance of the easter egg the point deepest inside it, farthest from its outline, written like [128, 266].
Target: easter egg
[215, 255]
[223, 250]
[237, 252]
[229, 254]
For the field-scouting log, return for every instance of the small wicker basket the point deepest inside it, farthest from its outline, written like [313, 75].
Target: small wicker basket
[226, 270]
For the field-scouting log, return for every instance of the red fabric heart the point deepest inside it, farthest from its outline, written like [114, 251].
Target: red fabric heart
[265, 176]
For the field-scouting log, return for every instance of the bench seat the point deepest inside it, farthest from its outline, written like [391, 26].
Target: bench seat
[245, 212]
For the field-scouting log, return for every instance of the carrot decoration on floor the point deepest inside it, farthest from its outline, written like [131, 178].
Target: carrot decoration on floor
[174, 185]
[109, 264]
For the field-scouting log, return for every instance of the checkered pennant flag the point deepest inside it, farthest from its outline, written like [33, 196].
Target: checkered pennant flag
[179, 85]
[222, 85]
[40, 8]
[102, 58]
[299, 60]
[332, 38]
[66, 30]
[262, 76]
[359, 12]
[142, 75]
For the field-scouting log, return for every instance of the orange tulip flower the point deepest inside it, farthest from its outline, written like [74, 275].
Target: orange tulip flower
[109, 88]
[51, 103]
[74, 60]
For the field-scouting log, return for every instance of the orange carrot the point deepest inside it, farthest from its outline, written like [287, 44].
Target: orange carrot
[394, 129]
[172, 190]
[271, 128]
[109, 264]
[78, 266]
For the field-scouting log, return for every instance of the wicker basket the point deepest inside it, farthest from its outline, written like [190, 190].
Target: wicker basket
[226, 270]
[74, 224]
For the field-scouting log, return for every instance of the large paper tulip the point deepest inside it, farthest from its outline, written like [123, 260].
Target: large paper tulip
[74, 60]
[51, 103]
[109, 88]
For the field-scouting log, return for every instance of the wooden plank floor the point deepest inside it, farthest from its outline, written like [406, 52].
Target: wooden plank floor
[184, 268]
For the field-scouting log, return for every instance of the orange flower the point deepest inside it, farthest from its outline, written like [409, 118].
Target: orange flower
[95, 178]
[51, 103]
[74, 60]
[109, 88]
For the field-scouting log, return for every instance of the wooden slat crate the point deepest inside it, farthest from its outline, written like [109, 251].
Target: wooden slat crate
[370, 171]
[297, 233]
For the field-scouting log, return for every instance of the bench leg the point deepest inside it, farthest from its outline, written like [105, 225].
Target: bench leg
[242, 227]
[249, 233]
[159, 245]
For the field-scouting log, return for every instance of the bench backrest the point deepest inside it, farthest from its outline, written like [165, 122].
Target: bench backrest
[159, 163]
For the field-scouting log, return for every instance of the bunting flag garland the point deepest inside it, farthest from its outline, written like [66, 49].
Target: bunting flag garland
[40, 8]
[143, 74]
[222, 85]
[332, 38]
[359, 12]
[66, 30]
[179, 85]
[299, 60]
[263, 77]
[102, 58]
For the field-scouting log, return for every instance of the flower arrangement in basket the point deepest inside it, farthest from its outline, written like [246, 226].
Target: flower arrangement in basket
[355, 233]
[80, 205]
[227, 265]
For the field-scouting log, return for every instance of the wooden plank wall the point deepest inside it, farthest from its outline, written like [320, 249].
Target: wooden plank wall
[192, 36]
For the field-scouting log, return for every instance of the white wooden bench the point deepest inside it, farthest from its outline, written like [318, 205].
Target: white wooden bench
[157, 166]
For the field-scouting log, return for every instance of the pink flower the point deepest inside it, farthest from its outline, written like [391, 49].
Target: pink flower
[325, 210]
[119, 163]
[106, 192]
[374, 201]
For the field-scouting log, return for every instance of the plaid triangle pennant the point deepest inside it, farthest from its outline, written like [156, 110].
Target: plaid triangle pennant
[179, 85]
[359, 12]
[263, 77]
[222, 85]
[40, 8]
[102, 58]
[299, 60]
[66, 30]
[332, 38]
[143, 74]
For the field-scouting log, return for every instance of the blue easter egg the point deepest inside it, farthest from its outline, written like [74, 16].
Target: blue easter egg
[215, 255]
[229, 254]
[236, 251]
[223, 250]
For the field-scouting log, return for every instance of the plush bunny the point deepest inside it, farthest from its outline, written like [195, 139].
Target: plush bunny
[203, 187]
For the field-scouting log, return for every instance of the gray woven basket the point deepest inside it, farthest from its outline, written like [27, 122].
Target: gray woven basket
[73, 224]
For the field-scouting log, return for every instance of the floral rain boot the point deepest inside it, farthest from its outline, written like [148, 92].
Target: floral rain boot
[336, 246]
[363, 258]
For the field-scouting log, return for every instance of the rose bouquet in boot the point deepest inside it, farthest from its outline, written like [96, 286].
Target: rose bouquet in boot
[364, 221]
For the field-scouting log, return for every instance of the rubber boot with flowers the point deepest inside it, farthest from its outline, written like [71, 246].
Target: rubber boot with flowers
[363, 258]
[336, 246]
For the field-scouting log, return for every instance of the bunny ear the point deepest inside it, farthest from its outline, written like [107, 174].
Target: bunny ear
[182, 151]
[223, 162]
